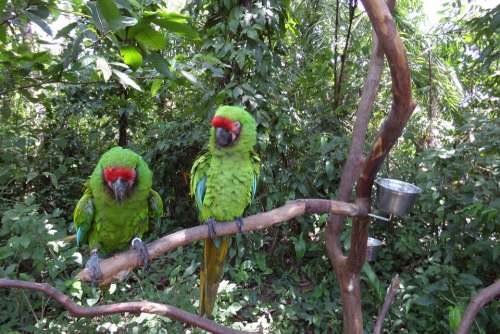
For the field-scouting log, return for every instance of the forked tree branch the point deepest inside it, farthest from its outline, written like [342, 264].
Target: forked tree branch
[391, 129]
[355, 159]
[482, 298]
[347, 269]
[402, 105]
[129, 307]
[389, 299]
[119, 265]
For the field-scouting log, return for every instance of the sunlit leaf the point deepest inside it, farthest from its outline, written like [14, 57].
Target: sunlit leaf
[191, 78]
[131, 56]
[155, 86]
[126, 81]
[104, 67]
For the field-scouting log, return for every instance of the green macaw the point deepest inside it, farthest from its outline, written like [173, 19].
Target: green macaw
[223, 182]
[117, 207]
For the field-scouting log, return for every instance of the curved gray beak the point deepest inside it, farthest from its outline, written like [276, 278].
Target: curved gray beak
[119, 188]
[223, 137]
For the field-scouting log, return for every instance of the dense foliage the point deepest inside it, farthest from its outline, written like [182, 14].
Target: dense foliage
[74, 73]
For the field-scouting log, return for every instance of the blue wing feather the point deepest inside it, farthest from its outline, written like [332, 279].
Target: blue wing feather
[80, 234]
[200, 191]
[254, 186]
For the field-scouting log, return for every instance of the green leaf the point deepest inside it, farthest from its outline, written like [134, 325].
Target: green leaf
[151, 39]
[454, 317]
[131, 56]
[39, 22]
[329, 169]
[53, 178]
[469, 280]
[108, 10]
[127, 21]
[161, 65]
[300, 247]
[104, 67]
[92, 301]
[155, 86]
[66, 30]
[126, 81]
[112, 288]
[252, 33]
[76, 289]
[373, 281]
[73, 51]
[424, 300]
[177, 24]
[40, 11]
[191, 78]
[3, 33]
[99, 21]
[2, 5]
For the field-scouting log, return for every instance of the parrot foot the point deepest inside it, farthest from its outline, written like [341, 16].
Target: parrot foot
[239, 222]
[211, 228]
[142, 250]
[93, 265]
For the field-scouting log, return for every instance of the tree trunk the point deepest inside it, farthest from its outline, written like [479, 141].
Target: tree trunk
[123, 124]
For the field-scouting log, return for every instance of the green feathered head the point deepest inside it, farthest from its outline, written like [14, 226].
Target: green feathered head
[120, 172]
[233, 130]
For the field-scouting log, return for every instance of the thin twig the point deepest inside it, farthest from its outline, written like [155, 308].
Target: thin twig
[392, 290]
[482, 298]
[130, 307]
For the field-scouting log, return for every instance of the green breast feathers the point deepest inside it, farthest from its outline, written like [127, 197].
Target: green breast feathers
[118, 203]
[223, 188]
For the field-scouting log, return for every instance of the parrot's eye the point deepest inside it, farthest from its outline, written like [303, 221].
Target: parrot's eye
[237, 127]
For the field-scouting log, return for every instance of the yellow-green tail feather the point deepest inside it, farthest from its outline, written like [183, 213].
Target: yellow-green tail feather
[211, 273]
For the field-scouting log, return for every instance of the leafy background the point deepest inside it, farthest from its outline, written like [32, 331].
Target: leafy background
[163, 69]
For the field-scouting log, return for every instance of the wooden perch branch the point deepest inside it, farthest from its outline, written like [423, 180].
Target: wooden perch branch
[117, 266]
[482, 298]
[130, 307]
[389, 299]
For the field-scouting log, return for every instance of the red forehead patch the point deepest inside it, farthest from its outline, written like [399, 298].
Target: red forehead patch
[111, 174]
[226, 123]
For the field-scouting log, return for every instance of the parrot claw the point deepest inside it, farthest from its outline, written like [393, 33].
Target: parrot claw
[239, 222]
[211, 228]
[93, 265]
[142, 250]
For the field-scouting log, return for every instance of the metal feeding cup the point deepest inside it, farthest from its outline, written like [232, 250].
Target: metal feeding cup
[372, 246]
[396, 197]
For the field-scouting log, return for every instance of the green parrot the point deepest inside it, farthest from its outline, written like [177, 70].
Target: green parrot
[223, 183]
[117, 207]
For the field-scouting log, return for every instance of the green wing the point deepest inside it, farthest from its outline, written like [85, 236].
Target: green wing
[155, 207]
[256, 171]
[83, 216]
[197, 186]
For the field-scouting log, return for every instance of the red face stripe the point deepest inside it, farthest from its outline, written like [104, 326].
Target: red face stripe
[226, 123]
[111, 174]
